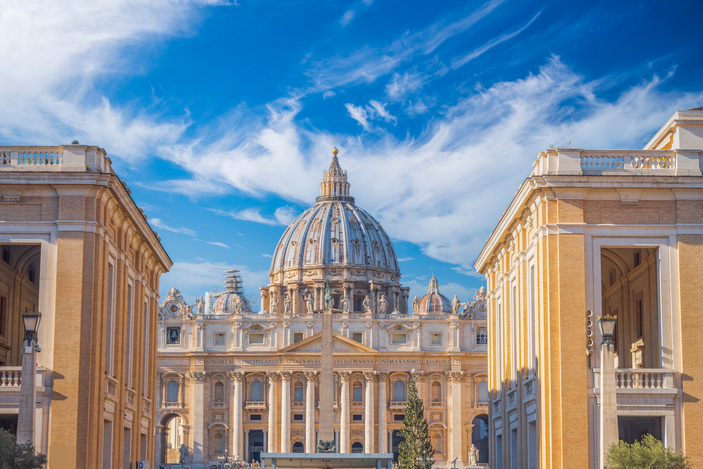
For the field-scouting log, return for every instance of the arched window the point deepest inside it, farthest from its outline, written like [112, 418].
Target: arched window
[298, 447]
[357, 392]
[436, 392]
[357, 447]
[172, 392]
[219, 392]
[483, 392]
[219, 443]
[256, 393]
[399, 391]
[298, 392]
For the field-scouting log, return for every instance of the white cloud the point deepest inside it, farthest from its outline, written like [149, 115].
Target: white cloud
[162, 226]
[217, 243]
[328, 94]
[51, 60]
[374, 110]
[444, 189]
[285, 215]
[195, 278]
[402, 84]
[347, 17]
[466, 58]
[282, 215]
[359, 114]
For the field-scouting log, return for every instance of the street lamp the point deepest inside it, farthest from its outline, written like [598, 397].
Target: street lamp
[606, 325]
[28, 393]
[608, 391]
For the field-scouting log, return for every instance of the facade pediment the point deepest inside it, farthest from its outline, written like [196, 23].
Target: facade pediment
[342, 345]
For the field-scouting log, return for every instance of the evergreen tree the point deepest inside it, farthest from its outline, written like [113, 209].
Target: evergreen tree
[649, 453]
[416, 450]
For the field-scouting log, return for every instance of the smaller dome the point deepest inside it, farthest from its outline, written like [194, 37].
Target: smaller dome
[434, 301]
[232, 300]
[231, 303]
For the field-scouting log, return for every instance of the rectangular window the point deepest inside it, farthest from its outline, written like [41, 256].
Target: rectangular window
[127, 449]
[129, 345]
[358, 303]
[399, 339]
[107, 444]
[398, 417]
[6, 255]
[356, 394]
[145, 351]
[256, 338]
[357, 418]
[481, 336]
[358, 337]
[298, 417]
[298, 336]
[110, 320]
[219, 338]
[298, 394]
[255, 417]
[173, 335]
[436, 338]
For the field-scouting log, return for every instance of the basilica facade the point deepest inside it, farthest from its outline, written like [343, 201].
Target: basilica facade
[237, 382]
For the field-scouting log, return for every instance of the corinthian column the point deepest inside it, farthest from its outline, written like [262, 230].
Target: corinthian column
[310, 411]
[198, 378]
[382, 402]
[285, 412]
[344, 416]
[237, 404]
[271, 446]
[368, 412]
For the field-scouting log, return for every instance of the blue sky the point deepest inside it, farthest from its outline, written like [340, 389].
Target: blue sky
[221, 116]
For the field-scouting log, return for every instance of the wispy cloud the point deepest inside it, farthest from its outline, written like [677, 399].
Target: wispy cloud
[464, 166]
[163, 226]
[463, 60]
[366, 64]
[403, 84]
[374, 110]
[282, 215]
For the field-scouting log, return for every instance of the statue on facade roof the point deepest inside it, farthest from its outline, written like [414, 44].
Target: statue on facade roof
[416, 305]
[367, 305]
[382, 305]
[309, 302]
[456, 304]
[274, 305]
[345, 304]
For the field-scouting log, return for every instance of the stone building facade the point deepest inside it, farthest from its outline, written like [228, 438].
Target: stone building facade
[591, 233]
[243, 382]
[76, 248]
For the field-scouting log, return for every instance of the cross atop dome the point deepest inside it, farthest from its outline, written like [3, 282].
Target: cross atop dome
[334, 186]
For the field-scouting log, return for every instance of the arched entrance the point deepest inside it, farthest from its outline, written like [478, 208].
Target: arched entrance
[172, 438]
[479, 437]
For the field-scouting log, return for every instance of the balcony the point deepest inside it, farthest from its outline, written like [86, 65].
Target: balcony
[396, 405]
[358, 405]
[298, 405]
[511, 398]
[255, 405]
[641, 387]
[218, 404]
[435, 405]
[10, 382]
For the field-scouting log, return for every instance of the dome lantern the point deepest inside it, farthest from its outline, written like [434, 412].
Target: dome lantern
[334, 186]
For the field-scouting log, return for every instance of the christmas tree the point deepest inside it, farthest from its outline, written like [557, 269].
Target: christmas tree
[416, 450]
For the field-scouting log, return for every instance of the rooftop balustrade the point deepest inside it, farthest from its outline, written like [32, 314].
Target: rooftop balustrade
[62, 158]
[574, 162]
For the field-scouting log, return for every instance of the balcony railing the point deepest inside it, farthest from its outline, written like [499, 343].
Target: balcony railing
[397, 404]
[436, 404]
[256, 404]
[644, 379]
[10, 377]
[73, 158]
[574, 161]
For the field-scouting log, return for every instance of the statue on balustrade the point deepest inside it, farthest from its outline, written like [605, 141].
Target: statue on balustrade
[183, 451]
[382, 305]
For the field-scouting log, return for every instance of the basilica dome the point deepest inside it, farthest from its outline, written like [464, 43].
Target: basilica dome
[434, 301]
[335, 232]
